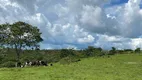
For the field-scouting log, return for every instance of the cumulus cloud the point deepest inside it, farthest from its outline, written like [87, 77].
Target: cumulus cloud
[107, 42]
[128, 16]
[87, 39]
[79, 23]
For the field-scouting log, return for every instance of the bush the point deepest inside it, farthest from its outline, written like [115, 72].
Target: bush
[8, 64]
[66, 52]
[91, 51]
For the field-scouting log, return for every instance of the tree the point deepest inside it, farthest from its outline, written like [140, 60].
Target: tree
[19, 35]
[92, 51]
[66, 52]
[89, 51]
[113, 51]
[138, 50]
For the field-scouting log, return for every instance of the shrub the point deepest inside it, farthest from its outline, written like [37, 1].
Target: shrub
[66, 52]
[91, 51]
[8, 64]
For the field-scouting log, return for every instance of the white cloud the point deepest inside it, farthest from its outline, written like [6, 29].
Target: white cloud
[107, 42]
[92, 16]
[129, 18]
[69, 34]
[68, 23]
[136, 43]
[88, 39]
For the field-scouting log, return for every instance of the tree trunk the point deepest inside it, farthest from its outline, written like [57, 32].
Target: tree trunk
[18, 55]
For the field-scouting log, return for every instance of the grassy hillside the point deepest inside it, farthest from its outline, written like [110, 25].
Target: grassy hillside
[117, 67]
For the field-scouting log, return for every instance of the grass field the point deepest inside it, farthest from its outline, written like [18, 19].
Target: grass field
[117, 67]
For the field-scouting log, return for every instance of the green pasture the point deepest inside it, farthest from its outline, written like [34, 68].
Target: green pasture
[117, 67]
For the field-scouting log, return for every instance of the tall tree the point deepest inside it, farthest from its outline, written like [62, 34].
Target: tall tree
[19, 35]
[138, 50]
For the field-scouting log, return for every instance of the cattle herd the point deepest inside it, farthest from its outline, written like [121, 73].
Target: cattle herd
[32, 63]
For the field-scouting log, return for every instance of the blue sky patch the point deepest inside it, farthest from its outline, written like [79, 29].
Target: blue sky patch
[116, 2]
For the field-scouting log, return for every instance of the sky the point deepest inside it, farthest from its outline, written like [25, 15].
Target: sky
[79, 23]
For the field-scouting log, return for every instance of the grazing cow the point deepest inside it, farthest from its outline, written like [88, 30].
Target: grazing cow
[18, 64]
[27, 63]
[44, 63]
[32, 63]
[22, 66]
[78, 60]
[36, 63]
[51, 64]
[108, 56]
